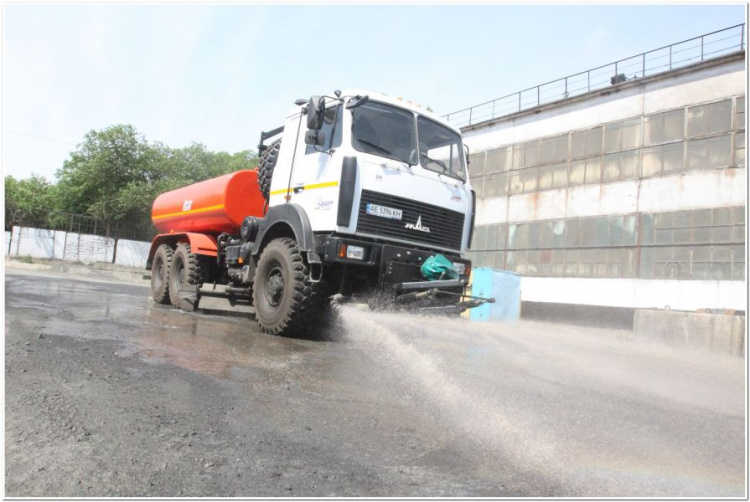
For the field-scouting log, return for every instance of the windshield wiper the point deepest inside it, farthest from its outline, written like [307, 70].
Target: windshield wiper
[386, 152]
[373, 145]
[446, 171]
[438, 162]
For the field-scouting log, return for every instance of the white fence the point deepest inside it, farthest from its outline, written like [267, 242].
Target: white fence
[70, 246]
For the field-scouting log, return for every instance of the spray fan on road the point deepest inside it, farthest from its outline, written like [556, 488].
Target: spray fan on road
[360, 196]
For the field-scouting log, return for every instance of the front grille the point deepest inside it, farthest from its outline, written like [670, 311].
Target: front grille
[445, 225]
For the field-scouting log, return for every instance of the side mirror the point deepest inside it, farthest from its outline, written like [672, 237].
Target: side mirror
[316, 138]
[466, 149]
[315, 110]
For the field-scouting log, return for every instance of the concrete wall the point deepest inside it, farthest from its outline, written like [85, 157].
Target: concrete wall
[636, 293]
[89, 248]
[59, 245]
[132, 253]
[37, 243]
[715, 332]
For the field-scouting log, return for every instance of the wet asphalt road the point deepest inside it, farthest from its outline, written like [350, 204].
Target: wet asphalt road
[107, 394]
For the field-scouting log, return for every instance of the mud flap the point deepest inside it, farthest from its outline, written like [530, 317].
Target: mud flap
[189, 299]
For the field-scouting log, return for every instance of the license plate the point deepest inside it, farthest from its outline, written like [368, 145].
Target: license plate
[385, 212]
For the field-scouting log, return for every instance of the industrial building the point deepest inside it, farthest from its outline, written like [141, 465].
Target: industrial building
[619, 188]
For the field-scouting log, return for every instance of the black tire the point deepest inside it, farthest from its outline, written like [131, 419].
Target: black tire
[160, 274]
[266, 165]
[184, 274]
[285, 301]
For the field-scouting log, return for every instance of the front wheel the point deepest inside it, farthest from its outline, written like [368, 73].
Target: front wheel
[286, 302]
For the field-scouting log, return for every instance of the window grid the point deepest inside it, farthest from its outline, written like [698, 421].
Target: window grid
[711, 136]
[698, 244]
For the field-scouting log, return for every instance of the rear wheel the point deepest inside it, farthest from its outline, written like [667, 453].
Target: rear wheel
[160, 274]
[266, 165]
[285, 301]
[184, 275]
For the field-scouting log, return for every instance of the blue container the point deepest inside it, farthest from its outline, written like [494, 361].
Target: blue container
[504, 287]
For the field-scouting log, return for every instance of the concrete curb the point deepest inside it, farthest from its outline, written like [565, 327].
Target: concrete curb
[99, 271]
[715, 332]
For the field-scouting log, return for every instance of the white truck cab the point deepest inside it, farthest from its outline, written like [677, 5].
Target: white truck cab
[410, 184]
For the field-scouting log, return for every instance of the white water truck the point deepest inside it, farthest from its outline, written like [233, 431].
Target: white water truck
[359, 197]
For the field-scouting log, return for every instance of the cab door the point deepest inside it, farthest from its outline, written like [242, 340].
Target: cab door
[314, 182]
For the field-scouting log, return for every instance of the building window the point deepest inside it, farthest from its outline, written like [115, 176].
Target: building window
[555, 176]
[529, 177]
[526, 155]
[586, 143]
[499, 159]
[479, 238]
[494, 184]
[709, 119]
[739, 149]
[625, 135]
[620, 166]
[663, 160]
[709, 153]
[553, 150]
[490, 186]
[664, 127]
[515, 183]
[476, 163]
[739, 114]
[477, 183]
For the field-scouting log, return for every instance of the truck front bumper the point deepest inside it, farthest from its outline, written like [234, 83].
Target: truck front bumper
[399, 272]
[397, 265]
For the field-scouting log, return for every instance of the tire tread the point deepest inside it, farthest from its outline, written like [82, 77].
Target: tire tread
[266, 165]
[162, 295]
[194, 274]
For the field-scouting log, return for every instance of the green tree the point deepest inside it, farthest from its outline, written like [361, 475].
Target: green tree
[195, 163]
[114, 175]
[28, 202]
[104, 175]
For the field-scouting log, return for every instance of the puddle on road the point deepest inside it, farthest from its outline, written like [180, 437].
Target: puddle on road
[213, 344]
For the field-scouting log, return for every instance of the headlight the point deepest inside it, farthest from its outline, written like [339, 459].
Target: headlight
[351, 252]
[460, 268]
[355, 252]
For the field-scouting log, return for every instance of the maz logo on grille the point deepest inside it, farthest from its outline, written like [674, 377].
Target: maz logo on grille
[417, 226]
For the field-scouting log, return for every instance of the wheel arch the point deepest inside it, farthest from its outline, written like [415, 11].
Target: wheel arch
[201, 244]
[287, 220]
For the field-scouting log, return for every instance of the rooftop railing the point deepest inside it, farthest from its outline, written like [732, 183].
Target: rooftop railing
[694, 50]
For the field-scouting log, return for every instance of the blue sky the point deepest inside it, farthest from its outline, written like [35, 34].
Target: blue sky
[218, 75]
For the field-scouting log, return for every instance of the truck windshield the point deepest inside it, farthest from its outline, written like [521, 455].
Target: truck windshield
[384, 130]
[440, 149]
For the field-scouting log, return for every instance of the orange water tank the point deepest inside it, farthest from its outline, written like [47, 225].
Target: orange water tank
[211, 206]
